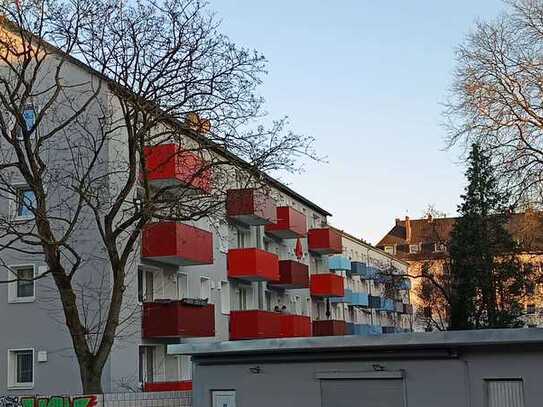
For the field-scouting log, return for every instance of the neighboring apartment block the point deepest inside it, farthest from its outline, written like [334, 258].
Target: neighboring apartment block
[269, 267]
[419, 241]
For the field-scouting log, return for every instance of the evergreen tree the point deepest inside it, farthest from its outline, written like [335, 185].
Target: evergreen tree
[487, 278]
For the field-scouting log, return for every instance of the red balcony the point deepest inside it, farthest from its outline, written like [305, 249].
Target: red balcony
[292, 274]
[254, 324]
[327, 285]
[253, 264]
[169, 165]
[324, 241]
[295, 326]
[290, 224]
[329, 327]
[175, 319]
[250, 206]
[185, 385]
[177, 243]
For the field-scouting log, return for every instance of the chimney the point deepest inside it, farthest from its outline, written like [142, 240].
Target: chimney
[398, 221]
[430, 218]
[407, 229]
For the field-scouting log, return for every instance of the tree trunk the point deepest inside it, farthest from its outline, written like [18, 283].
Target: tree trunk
[91, 378]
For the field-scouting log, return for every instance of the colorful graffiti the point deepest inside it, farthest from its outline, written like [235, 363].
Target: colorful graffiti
[53, 401]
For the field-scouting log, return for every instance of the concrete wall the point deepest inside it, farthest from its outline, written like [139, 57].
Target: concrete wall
[428, 380]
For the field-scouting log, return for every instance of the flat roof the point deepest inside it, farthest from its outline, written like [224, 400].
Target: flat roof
[420, 340]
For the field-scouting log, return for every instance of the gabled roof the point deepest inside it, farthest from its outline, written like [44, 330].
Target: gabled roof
[526, 228]
[198, 137]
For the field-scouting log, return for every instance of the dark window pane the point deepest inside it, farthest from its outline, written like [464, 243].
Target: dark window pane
[25, 284]
[24, 366]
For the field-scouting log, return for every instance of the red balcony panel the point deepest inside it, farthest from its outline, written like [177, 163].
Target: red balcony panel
[175, 319]
[295, 326]
[324, 241]
[177, 243]
[184, 385]
[169, 164]
[327, 285]
[290, 224]
[292, 274]
[250, 206]
[329, 327]
[254, 324]
[253, 264]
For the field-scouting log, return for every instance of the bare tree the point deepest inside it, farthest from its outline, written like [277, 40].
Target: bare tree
[85, 88]
[497, 96]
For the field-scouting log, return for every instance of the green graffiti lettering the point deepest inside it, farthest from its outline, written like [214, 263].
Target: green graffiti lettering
[27, 401]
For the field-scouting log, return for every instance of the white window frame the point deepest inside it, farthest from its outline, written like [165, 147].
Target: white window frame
[182, 292]
[12, 366]
[14, 203]
[389, 249]
[440, 247]
[414, 249]
[225, 297]
[208, 289]
[12, 286]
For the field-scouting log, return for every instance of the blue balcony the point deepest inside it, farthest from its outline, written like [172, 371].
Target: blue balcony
[375, 330]
[346, 299]
[389, 305]
[358, 268]
[350, 328]
[361, 299]
[371, 273]
[381, 277]
[405, 284]
[339, 263]
[389, 330]
[399, 307]
[362, 329]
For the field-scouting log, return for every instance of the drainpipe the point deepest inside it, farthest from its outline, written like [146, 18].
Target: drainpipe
[260, 287]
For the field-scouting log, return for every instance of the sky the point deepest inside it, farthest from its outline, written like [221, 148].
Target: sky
[367, 79]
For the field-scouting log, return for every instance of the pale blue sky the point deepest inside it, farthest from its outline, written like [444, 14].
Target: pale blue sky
[366, 79]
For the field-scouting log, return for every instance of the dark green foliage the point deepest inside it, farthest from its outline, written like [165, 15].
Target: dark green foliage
[487, 278]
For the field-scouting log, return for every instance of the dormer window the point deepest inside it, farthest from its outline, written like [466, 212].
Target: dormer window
[414, 248]
[390, 250]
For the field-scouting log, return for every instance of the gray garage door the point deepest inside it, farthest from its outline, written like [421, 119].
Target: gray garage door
[362, 393]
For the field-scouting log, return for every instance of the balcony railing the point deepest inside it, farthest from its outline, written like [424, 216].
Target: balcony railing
[339, 262]
[183, 385]
[346, 299]
[250, 206]
[398, 306]
[375, 302]
[358, 268]
[388, 305]
[170, 165]
[177, 243]
[176, 319]
[360, 299]
[258, 324]
[375, 330]
[324, 241]
[327, 285]
[329, 327]
[292, 274]
[290, 224]
[253, 264]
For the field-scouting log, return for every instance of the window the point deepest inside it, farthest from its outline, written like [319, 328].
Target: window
[22, 289]
[25, 202]
[530, 288]
[390, 250]
[29, 116]
[414, 248]
[225, 297]
[440, 247]
[504, 392]
[243, 238]
[184, 367]
[205, 288]
[182, 286]
[21, 368]
[146, 364]
[530, 309]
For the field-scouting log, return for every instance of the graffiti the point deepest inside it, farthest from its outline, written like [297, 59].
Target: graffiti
[53, 401]
[9, 401]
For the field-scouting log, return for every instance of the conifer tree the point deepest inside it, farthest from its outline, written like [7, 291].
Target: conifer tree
[487, 278]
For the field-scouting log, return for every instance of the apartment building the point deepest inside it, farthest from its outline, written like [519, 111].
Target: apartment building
[269, 267]
[420, 241]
